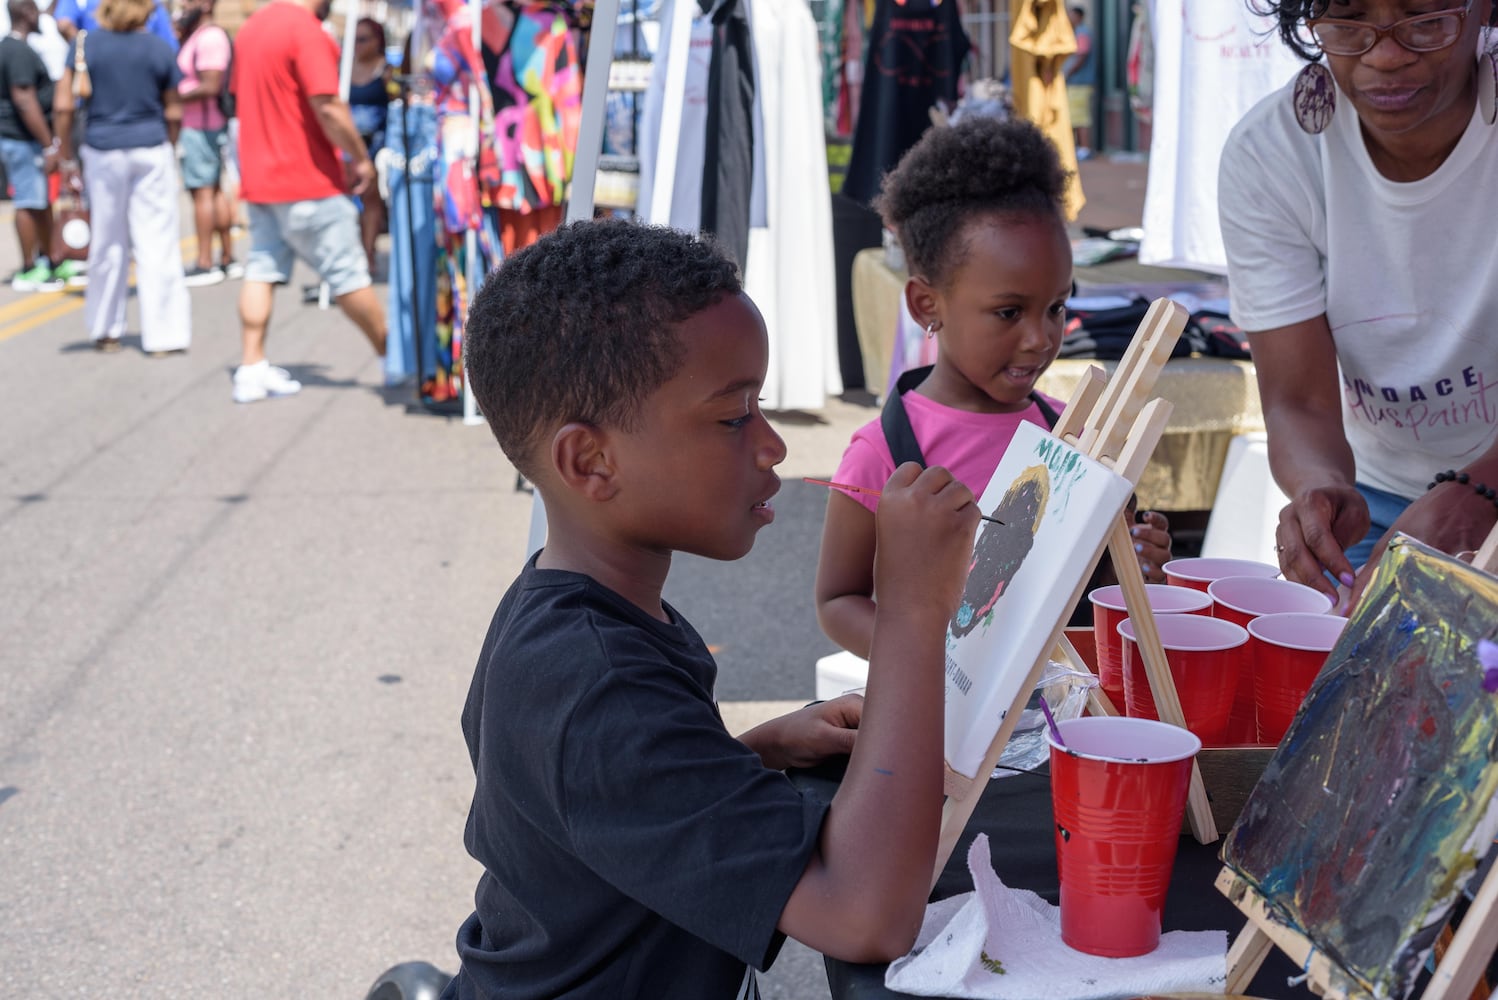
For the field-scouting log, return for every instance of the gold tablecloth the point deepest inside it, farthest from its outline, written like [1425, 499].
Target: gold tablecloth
[1214, 398]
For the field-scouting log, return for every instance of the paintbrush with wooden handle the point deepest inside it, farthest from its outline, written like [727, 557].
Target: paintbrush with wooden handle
[868, 492]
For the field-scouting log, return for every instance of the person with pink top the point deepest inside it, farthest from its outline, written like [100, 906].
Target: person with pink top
[204, 62]
[978, 209]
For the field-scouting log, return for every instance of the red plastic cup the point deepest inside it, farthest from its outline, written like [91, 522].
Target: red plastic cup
[1197, 573]
[1288, 651]
[1118, 793]
[1241, 599]
[1108, 609]
[1204, 655]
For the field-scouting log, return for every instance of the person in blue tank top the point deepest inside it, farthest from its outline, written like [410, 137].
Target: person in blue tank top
[368, 101]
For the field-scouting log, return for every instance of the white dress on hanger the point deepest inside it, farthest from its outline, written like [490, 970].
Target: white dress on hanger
[789, 273]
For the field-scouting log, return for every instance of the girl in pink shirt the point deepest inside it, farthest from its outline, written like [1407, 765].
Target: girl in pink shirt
[978, 209]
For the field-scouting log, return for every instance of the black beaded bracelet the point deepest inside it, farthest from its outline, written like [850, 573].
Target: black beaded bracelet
[1451, 475]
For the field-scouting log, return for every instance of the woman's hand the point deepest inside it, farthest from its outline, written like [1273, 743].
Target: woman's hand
[1314, 530]
[1152, 542]
[809, 735]
[1453, 518]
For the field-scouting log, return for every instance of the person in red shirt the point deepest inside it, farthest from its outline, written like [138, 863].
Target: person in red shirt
[292, 126]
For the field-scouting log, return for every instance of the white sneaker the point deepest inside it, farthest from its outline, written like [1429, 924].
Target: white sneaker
[261, 380]
[198, 277]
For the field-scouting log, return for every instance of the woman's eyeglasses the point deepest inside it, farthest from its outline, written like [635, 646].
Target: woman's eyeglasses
[1420, 33]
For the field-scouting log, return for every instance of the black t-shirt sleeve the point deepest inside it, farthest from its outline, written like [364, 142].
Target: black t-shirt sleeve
[21, 67]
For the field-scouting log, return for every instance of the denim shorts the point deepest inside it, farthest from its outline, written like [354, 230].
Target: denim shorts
[202, 156]
[323, 232]
[1383, 510]
[23, 168]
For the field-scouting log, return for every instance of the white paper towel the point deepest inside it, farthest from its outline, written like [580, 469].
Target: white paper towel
[1005, 944]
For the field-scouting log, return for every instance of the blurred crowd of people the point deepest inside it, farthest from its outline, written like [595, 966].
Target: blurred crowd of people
[116, 105]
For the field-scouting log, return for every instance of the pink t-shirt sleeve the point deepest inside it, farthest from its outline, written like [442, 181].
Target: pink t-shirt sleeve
[968, 444]
[866, 462]
[206, 50]
[212, 49]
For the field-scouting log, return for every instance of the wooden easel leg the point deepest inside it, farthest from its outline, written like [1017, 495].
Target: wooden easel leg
[1098, 702]
[1471, 947]
[1247, 954]
[1162, 685]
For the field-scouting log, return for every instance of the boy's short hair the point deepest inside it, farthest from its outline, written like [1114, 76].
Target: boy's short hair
[580, 326]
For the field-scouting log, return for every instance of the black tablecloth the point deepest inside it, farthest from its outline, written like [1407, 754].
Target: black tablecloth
[1015, 812]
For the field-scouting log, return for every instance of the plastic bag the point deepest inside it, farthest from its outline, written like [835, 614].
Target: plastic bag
[1065, 691]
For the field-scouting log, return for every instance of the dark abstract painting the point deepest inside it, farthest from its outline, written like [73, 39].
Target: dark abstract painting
[1377, 807]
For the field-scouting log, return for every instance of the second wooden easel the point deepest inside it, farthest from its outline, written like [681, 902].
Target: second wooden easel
[1112, 421]
[1461, 963]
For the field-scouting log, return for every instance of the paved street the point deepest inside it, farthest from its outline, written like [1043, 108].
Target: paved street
[235, 642]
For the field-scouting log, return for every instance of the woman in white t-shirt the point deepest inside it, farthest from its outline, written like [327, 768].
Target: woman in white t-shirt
[1357, 207]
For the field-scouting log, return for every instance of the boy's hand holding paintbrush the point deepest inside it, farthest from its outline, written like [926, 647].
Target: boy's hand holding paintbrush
[925, 526]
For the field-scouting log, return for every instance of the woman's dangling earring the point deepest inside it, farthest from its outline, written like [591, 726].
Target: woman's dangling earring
[1487, 86]
[931, 329]
[1315, 98]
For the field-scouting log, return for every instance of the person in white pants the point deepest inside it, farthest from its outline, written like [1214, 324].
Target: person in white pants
[132, 196]
[131, 176]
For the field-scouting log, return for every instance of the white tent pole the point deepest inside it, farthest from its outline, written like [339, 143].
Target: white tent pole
[595, 101]
[345, 81]
[584, 170]
[471, 415]
[675, 96]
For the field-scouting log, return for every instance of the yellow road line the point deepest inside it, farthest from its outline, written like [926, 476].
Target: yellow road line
[38, 308]
[69, 304]
[21, 307]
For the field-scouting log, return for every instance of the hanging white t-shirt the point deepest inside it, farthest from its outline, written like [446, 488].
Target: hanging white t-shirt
[1214, 59]
[1407, 274]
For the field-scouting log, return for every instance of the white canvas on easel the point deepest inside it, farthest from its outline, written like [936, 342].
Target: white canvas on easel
[1110, 426]
[1057, 506]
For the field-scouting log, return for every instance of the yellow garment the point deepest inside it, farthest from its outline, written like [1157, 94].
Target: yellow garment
[1039, 43]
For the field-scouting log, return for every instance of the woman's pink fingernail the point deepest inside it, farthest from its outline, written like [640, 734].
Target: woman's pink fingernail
[1347, 579]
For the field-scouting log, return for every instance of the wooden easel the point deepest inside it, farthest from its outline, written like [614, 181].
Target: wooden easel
[1458, 970]
[1113, 422]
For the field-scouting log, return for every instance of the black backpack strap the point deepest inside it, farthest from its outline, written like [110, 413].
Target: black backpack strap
[895, 422]
[1049, 415]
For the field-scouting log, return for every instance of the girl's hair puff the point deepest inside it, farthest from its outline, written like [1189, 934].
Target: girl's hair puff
[981, 165]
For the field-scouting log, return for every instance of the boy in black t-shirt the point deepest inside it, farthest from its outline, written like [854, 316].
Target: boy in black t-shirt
[631, 847]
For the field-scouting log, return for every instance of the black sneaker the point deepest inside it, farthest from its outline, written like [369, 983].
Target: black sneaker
[197, 277]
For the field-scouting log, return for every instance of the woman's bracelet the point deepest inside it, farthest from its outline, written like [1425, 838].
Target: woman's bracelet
[1451, 475]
